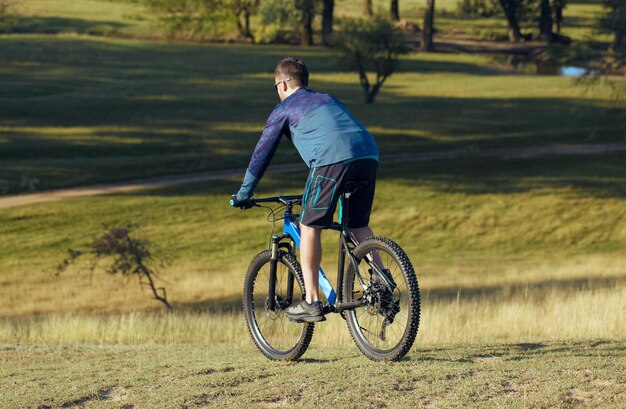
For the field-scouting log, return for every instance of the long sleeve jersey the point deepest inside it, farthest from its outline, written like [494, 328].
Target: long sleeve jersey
[320, 127]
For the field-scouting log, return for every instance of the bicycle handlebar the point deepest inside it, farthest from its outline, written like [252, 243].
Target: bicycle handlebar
[292, 199]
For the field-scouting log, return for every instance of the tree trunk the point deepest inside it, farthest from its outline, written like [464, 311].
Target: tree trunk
[367, 8]
[327, 21]
[240, 28]
[510, 11]
[307, 23]
[619, 43]
[246, 26]
[429, 22]
[365, 84]
[557, 16]
[395, 12]
[545, 22]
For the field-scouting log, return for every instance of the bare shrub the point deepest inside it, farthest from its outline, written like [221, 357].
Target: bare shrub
[121, 253]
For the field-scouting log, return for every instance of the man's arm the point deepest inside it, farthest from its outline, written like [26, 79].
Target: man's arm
[275, 127]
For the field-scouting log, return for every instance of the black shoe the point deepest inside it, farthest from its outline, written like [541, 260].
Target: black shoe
[388, 276]
[305, 312]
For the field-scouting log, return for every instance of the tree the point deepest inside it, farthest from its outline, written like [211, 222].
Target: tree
[614, 22]
[371, 45]
[395, 11]
[545, 21]
[126, 255]
[327, 21]
[557, 15]
[243, 10]
[429, 21]
[307, 14]
[510, 11]
[367, 8]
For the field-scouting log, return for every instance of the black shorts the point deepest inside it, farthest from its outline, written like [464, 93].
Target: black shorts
[326, 183]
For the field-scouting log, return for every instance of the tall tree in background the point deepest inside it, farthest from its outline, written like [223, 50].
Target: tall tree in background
[395, 11]
[510, 11]
[557, 15]
[545, 21]
[614, 22]
[327, 21]
[367, 8]
[307, 8]
[429, 27]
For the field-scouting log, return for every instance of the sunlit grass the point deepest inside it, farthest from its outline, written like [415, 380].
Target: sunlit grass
[532, 316]
[89, 109]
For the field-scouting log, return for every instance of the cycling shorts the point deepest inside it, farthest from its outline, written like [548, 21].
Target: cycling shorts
[325, 185]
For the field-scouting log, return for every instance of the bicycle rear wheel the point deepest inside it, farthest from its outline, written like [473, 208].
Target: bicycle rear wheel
[386, 326]
[272, 332]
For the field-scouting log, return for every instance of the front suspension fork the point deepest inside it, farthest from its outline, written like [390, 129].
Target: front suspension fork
[271, 302]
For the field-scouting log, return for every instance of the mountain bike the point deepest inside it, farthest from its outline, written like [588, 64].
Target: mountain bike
[381, 304]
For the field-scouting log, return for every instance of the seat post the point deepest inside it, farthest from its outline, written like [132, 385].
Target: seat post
[344, 203]
[344, 210]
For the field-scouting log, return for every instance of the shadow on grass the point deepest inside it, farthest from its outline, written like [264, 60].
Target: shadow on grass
[600, 175]
[58, 25]
[118, 110]
[481, 354]
[535, 291]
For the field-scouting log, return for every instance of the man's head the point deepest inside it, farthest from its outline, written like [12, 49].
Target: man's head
[291, 74]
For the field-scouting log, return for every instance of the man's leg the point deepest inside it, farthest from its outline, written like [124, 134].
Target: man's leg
[310, 259]
[362, 233]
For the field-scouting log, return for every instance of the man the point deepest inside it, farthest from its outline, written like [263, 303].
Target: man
[337, 149]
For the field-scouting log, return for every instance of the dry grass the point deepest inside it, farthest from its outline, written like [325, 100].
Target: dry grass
[531, 316]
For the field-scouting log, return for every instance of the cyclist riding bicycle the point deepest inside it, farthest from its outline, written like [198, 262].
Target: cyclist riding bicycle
[337, 149]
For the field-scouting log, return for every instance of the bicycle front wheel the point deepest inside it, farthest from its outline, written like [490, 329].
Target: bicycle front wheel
[272, 332]
[386, 326]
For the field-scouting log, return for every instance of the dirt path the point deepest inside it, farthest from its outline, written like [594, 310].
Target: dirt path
[130, 186]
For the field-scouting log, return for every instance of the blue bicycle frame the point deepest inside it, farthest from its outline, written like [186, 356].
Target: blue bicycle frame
[292, 229]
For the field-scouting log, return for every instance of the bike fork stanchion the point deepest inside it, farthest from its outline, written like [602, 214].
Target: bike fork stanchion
[271, 302]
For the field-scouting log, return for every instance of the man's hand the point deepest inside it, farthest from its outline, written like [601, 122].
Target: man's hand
[243, 204]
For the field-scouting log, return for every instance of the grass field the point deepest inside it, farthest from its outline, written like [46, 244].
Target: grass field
[78, 109]
[520, 261]
[493, 375]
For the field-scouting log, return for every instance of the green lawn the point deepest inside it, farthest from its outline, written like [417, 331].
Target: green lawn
[79, 107]
[79, 110]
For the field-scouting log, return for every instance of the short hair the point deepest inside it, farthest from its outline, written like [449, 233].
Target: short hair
[295, 69]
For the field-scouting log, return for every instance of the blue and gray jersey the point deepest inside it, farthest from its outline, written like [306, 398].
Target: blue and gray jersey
[320, 127]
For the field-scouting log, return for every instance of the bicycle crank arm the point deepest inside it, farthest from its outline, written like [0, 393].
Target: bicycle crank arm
[348, 306]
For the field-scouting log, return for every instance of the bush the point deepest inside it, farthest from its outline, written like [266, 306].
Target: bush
[279, 22]
[193, 19]
[7, 20]
[480, 8]
[118, 251]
